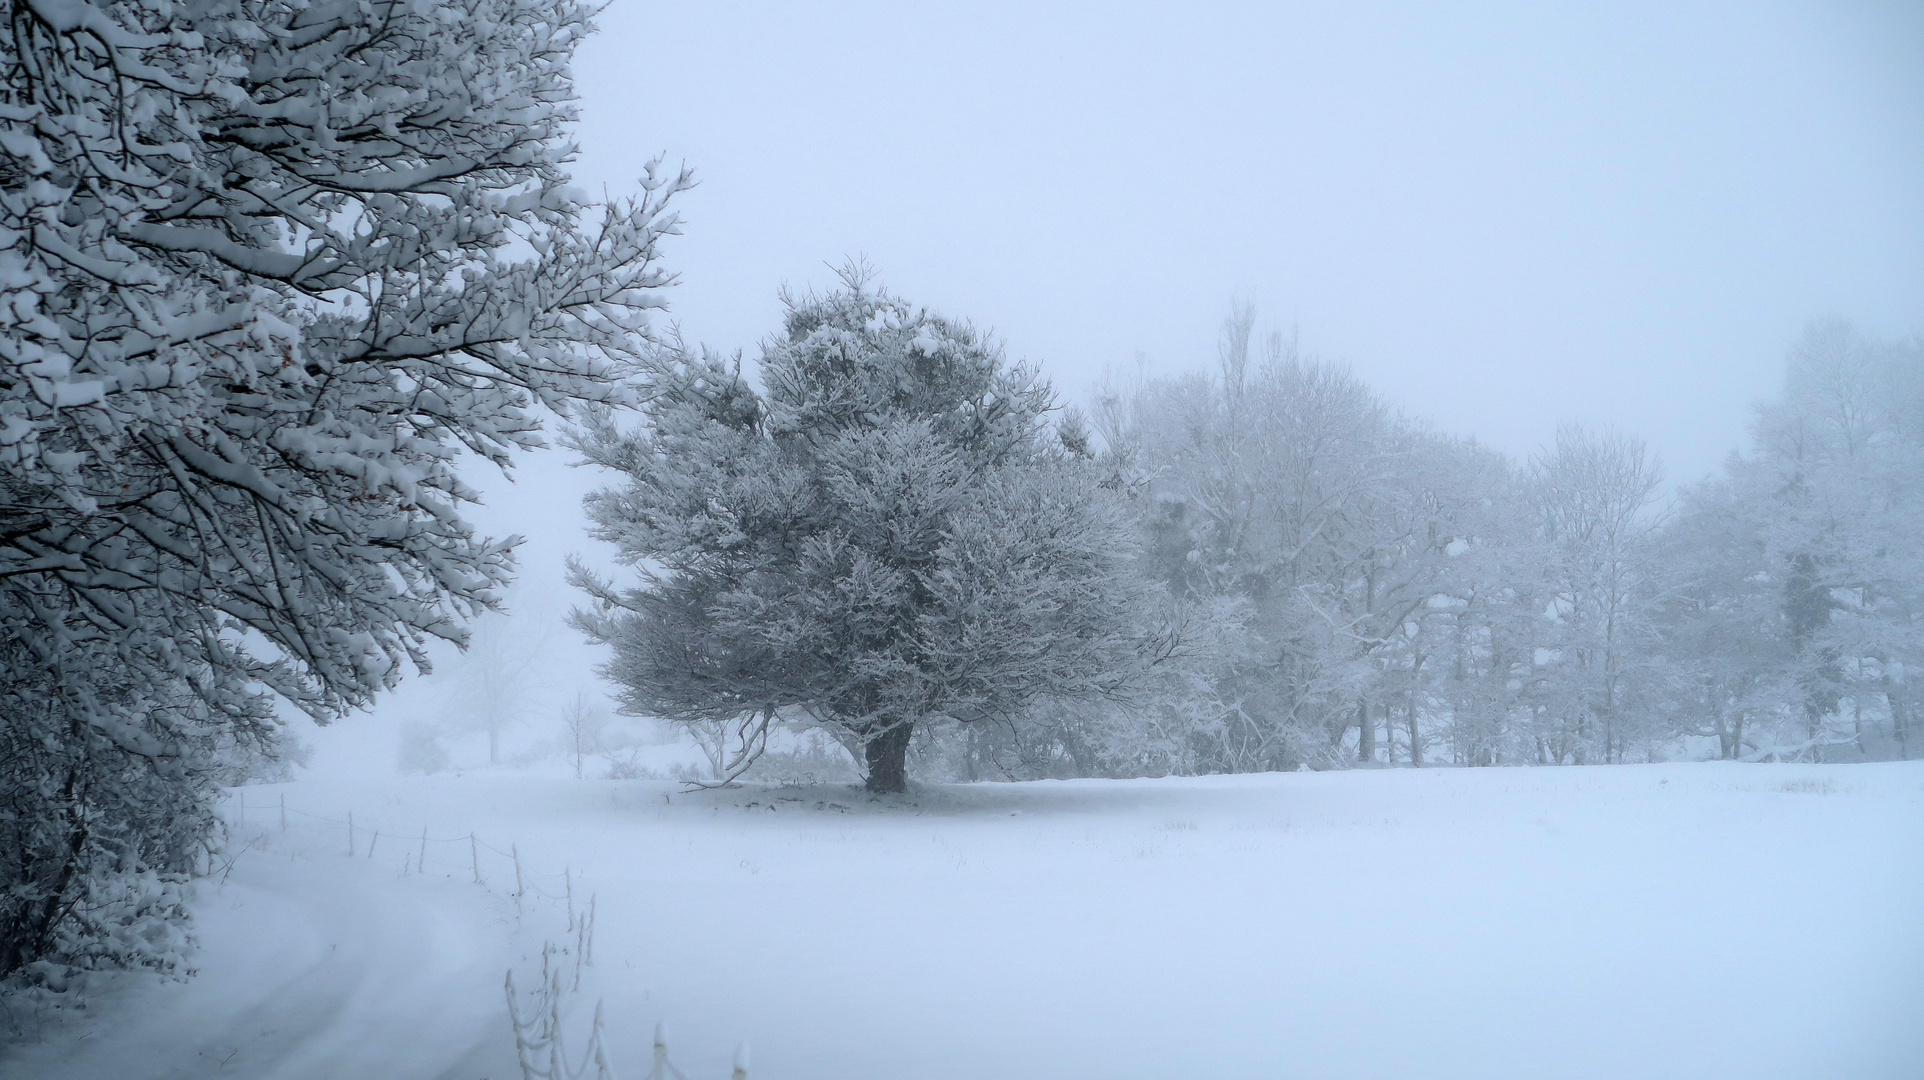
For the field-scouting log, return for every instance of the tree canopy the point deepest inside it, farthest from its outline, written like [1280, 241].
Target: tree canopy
[268, 271]
[889, 536]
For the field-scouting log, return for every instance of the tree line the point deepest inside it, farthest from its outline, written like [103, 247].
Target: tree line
[1385, 594]
[910, 544]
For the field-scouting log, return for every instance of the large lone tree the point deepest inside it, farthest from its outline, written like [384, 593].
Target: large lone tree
[890, 535]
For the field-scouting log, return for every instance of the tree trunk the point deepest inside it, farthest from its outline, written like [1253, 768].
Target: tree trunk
[1895, 701]
[1857, 711]
[30, 935]
[1366, 741]
[1416, 742]
[888, 760]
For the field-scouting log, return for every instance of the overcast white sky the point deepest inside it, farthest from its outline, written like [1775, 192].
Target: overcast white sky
[1502, 215]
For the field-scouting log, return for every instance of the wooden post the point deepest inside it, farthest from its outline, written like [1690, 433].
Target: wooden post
[474, 852]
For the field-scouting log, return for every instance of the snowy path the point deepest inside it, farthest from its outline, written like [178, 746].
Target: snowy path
[310, 969]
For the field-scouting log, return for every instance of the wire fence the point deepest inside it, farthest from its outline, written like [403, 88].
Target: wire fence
[418, 851]
[537, 1016]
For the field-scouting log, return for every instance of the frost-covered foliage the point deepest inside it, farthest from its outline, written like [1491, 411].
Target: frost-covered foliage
[1799, 612]
[97, 842]
[267, 269]
[1594, 688]
[889, 537]
[1348, 587]
[1371, 592]
[1312, 526]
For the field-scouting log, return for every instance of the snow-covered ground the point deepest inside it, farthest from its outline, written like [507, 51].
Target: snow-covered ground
[1688, 920]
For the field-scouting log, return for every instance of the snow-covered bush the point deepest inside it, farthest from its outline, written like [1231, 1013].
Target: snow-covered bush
[629, 766]
[268, 269]
[420, 749]
[97, 842]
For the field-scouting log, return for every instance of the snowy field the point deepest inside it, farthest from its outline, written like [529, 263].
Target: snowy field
[1695, 920]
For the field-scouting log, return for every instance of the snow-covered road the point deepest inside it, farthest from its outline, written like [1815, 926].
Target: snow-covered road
[311, 968]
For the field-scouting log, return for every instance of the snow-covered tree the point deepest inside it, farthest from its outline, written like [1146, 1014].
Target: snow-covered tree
[1593, 493]
[498, 682]
[267, 271]
[1840, 458]
[1812, 557]
[1726, 655]
[889, 537]
[1288, 497]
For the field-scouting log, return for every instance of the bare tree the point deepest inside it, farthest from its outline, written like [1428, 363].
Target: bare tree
[497, 682]
[583, 725]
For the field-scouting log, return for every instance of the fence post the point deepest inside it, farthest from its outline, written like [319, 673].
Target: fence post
[474, 852]
[600, 1057]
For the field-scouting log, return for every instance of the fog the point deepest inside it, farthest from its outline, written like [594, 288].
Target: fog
[1503, 216]
[1245, 540]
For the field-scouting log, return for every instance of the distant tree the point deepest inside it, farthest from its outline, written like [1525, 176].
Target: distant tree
[497, 682]
[1288, 497]
[1593, 494]
[269, 270]
[1726, 647]
[1453, 666]
[1828, 505]
[889, 537]
[582, 724]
